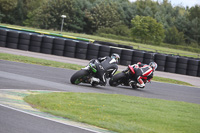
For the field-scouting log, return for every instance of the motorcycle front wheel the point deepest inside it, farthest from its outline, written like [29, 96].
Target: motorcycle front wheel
[78, 76]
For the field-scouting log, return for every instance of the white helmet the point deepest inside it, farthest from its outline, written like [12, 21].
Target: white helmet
[153, 65]
[115, 56]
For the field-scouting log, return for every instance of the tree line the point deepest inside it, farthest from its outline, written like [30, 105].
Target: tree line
[144, 21]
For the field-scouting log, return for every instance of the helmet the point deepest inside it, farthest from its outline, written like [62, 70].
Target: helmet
[115, 56]
[153, 65]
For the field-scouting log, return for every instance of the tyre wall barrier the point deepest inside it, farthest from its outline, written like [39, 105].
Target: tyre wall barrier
[160, 59]
[170, 65]
[192, 67]
[92, 51]
[148, 57]
[181, 66]
[126, 57]
[58, 46]
[86, 50]
[81, 50]
[3, 37]
[35, 43]
[104, 51]
[12, 39]
[24, 41]
[137, 56]
[47, 45]
[70, 48]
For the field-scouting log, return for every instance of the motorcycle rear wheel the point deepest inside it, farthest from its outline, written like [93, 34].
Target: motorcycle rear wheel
[117, 79]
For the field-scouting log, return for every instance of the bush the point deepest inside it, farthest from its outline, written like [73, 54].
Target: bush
[112, 36]
[119, 30]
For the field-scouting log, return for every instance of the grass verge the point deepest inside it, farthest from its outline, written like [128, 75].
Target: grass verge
[43, 62]
[120, 113]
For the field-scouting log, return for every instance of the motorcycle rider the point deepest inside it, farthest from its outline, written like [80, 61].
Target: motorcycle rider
[108, 65]
[144, 72]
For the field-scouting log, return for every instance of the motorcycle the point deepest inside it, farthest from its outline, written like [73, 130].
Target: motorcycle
[126, 78]
[88, 74]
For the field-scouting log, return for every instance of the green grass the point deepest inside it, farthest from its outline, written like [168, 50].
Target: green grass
[37, 61]
[120, 113]
[140, 46]
[172, 81]
[43, 62]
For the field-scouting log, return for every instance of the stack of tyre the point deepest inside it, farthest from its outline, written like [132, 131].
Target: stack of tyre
[3, 36]
[92, 52]
[198, 73]
[81, 50]
[47, 45]
[126, 57]
[58, 46]
[148, 57]
[70, 48]
[12, 39]
[104, 51]
[35, 43]
[160, 59]
[181, 65]
[24, 41]
[137, 56]
[192, 67]
[170, 65]
[116, 51]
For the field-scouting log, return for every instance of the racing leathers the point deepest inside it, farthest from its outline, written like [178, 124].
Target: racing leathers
[106, 68]
[143, 74]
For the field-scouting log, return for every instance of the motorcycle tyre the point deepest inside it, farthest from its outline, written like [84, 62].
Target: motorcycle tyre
[134, 87]
[78, 75]
[114, 80]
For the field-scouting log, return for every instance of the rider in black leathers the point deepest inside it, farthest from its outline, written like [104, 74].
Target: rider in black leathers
[108, 65]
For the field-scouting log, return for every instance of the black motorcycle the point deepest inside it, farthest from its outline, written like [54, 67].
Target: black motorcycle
[125, 78]
[88, 74]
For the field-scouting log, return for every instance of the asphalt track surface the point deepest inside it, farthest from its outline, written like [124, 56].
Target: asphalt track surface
[15, 75]
[12, 121]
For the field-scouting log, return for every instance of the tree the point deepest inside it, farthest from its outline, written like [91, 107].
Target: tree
[103, 14]
[48, 16]
[1, 16]
[7, 5]
[194, 17]
[120, 30]
[195, 30]
[182, 23]
[147, 29]
[143, 6]
[194, 12]
[7, 8]
[173, 36]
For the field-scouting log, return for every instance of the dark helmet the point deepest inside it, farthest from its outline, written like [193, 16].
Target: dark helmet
[153, 65]
[115, 56]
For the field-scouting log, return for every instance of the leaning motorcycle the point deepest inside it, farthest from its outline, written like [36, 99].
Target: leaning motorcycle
[85, 75]
[126, 78]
